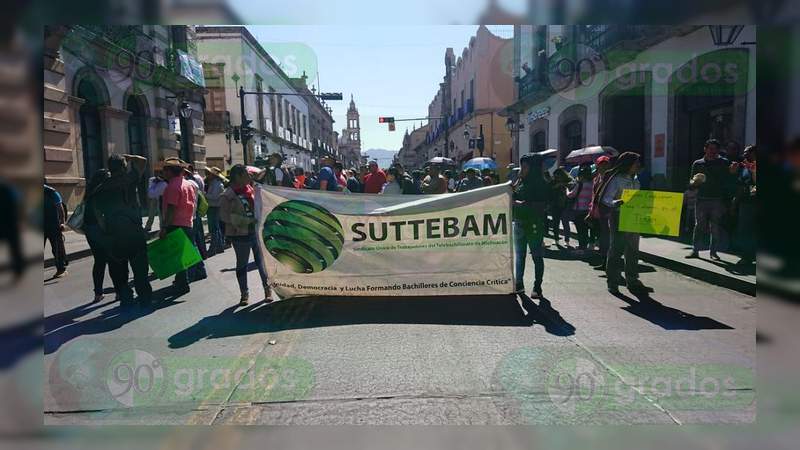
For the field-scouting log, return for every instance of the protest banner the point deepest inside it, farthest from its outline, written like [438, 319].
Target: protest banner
[335, 244]
[651, 212]
[173, 253]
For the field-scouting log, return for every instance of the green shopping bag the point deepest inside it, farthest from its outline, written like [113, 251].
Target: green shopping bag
[172, 254]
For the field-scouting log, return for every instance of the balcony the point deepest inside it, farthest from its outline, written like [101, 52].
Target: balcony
[533, 85]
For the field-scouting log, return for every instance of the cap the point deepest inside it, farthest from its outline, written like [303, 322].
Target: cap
[602, 159]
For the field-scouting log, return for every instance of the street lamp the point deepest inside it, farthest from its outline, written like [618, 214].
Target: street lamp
[724, 35]
[185, 110]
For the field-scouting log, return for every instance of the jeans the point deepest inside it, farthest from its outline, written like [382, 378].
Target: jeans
[535, 246]
[99, 256]
[579, 219]
[118, 269]
[622, 243]
[708, 217]
[242, 245]
[182, 277]
[198, 271]
[56, 238]
[217, 240]
[604, 232]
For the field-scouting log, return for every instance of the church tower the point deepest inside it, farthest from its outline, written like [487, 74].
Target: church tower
[353, 130]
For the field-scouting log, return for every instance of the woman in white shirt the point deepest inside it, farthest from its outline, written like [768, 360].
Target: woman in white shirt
[620, 177]
[392, 185]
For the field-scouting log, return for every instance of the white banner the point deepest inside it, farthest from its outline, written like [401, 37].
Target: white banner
[334, 244]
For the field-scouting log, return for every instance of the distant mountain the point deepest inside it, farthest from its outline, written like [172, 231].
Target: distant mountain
[383, 156]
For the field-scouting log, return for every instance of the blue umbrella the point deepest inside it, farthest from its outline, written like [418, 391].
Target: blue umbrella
[480, 164]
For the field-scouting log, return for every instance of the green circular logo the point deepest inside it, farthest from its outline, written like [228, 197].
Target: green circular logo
[303, 236]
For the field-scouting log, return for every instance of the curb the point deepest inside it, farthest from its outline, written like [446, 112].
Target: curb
[732, 283]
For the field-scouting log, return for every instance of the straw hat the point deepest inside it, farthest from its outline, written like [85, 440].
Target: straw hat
[215, 171]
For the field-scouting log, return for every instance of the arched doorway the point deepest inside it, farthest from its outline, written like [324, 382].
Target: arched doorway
[91, 129]
[538, 135]
[137, 126]
[707, 99]
[625, 119]
[572, 130]
[137, 138]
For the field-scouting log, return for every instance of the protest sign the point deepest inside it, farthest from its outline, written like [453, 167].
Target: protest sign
[321, 243]
[651, 212]
[173, 253]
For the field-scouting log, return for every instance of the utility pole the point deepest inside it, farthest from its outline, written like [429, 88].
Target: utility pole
[244, 133]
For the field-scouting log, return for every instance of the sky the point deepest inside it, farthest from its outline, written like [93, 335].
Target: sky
[389, 70]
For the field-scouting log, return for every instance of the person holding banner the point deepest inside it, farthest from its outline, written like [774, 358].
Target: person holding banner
[620, 177]
[237, 210]
[530, 197]
[179, 201]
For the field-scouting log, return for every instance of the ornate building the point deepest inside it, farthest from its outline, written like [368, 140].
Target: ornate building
[350, 141]
[119, 89]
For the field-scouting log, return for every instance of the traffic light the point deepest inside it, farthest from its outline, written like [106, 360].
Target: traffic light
[236, 134]
[391, 126]
[247, 130]
[385, 119]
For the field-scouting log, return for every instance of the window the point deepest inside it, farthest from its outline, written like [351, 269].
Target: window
[462, 99]
[573, 135]
[279, 102]
[539, 142]
[472, 89]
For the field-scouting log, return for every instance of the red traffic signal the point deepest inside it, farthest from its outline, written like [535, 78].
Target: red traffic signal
[385, 119]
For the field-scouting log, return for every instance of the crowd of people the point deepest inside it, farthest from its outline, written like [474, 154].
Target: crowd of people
[543, 202]
[720, 200]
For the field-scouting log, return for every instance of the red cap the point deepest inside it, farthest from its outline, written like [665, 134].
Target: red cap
[602, 159]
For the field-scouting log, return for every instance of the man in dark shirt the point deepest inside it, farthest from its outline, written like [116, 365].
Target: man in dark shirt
[327, 179]
[712, 177]
[116, 206]
[54, 218]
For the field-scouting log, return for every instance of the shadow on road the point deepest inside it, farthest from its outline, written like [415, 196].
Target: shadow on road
[666, 317]
[312, 312]
[63, 327]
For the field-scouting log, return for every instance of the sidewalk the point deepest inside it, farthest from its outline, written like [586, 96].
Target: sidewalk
[671, 255]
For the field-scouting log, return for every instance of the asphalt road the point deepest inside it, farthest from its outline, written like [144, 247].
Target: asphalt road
[685, 354]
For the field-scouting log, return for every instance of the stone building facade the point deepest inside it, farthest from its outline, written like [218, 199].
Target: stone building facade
[116, 90]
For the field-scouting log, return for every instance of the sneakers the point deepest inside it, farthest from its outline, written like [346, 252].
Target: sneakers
[60, 273]
[715, 256]
[693, 255]
[519, 289]
[537, 291]
[267, 294]
[245, 300]
[98, 298]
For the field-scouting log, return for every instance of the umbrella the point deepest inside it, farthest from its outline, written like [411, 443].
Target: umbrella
[441, 160]
[480, 164]
[253, 170]
[589, 154]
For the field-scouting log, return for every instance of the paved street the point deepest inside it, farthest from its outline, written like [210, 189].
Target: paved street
[686, 354]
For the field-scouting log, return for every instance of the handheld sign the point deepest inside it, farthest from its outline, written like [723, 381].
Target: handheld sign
[651, 212]
[172, 254]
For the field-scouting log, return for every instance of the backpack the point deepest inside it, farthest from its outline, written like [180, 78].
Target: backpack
[202, 204]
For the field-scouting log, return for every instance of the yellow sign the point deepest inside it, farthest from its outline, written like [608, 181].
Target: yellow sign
[651, 212]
